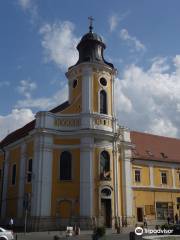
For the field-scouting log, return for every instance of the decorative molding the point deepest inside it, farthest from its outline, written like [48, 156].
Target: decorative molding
[157, 189]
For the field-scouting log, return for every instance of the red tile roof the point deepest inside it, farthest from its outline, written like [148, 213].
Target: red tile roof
[153, 147]
[22, 132]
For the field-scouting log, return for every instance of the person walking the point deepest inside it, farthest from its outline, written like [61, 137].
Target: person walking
[145, 221]
[11, 223]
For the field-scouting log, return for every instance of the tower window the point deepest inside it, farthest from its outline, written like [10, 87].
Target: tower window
[105, 192]
[29, 171]
[13, 179]
[103, 102]
[104, 166]
[74, 83]
[103, 81]
[65, 166]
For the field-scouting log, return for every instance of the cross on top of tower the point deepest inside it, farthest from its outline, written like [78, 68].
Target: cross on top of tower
[91, 19]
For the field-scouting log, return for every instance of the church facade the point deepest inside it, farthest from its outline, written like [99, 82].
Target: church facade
[74, 164]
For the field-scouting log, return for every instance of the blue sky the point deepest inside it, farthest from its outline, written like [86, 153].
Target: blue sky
[37, 44]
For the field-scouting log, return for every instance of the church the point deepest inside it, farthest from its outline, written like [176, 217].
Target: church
[75, 165]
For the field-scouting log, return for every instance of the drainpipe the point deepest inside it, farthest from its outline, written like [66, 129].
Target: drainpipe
[2, 179]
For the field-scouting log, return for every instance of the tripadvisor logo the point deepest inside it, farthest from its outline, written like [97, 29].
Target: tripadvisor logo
[139, 231]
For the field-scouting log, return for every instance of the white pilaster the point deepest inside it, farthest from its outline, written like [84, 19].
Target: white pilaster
[173, 178]
[87, 90]
[116, 183]
[127, 173]
[22, 180]
[127, 186]
[42, 176]
[86, 177]
[151, 173]
[113, 98]
[5, 185]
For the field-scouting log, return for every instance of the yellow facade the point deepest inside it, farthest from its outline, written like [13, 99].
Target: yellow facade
[65, 194]
[12, 193]
[147, 197]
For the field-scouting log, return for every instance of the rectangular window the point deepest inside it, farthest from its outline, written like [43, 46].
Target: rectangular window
[13, 179]
[179, 176]
[163, 210]
[137, 175]
[0, 174]
[164, 177]
[29, 171]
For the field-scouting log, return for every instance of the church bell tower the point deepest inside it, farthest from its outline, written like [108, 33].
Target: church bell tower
[91, 95]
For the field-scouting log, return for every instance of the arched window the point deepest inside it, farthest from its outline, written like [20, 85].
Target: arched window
[104, 166]
[65, 165]
[103, 102]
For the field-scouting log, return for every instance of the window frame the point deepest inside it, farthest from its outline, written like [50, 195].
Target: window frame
[104, 104]
[164, 177]
[135, 175]
[109, 166]
[71, 168]
[29, 172]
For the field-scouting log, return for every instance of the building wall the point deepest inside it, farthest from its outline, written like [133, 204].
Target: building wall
[65, 194]
[29, 155]
[12, 191]
[146, 193]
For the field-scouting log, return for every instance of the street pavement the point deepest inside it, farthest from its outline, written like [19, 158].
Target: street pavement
[82, 236]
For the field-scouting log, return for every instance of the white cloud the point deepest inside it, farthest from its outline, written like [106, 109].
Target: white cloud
[149, 100]
[163, 127]
[26, 87]
[25, 4]
[59, 43]
[131, 40]
[16, 119]
[114, 20]
[45, 103]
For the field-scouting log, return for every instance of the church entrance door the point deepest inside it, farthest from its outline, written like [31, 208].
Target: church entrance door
[106, 212]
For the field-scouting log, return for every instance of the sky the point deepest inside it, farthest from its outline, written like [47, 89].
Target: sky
[38, 40]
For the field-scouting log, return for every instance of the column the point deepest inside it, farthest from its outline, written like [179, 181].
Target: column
[86, 97]
[116, 184]
[86, 177]
[127, 174]
[42, 176]
[151, 174]
[5, 185]
[173, 178]
[22, 180]
[87, 90]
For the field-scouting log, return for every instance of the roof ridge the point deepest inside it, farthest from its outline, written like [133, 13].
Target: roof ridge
[154, 135]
